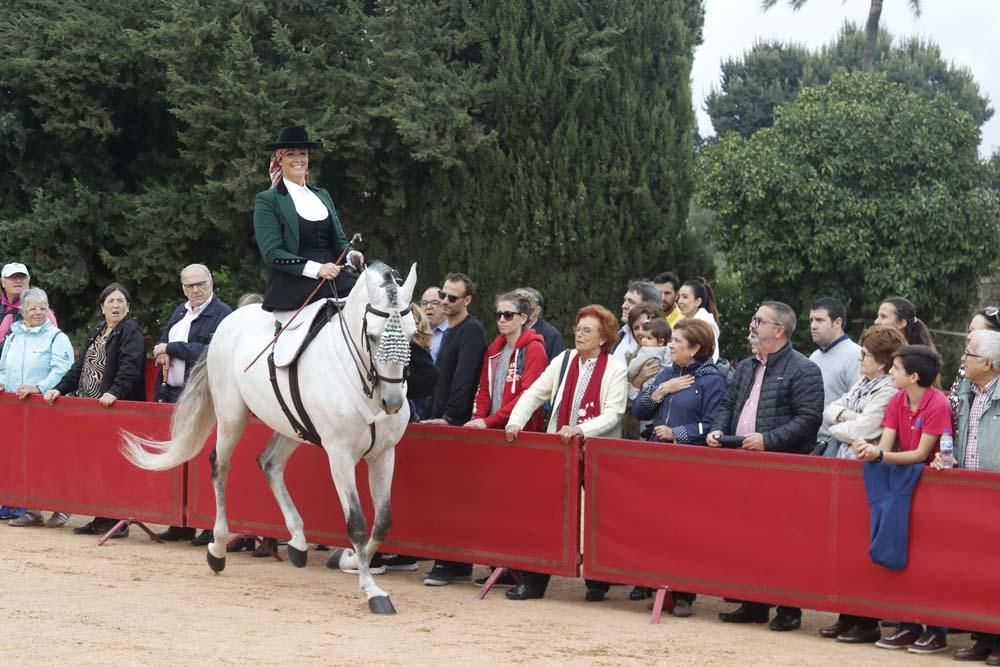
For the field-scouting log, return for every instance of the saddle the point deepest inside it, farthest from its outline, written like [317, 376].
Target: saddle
[285, 353]
[297, 335]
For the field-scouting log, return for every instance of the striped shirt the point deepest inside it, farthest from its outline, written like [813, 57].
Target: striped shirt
[979, 403]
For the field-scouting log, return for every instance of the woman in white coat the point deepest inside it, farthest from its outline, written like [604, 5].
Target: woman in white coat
[588, 389]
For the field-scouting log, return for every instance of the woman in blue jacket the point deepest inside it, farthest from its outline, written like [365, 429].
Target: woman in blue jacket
[34, 359]
[682, 401]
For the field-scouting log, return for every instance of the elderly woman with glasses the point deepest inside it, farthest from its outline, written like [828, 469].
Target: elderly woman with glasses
[35, 358]
[514, 360]
[588, 388]
[298, 231]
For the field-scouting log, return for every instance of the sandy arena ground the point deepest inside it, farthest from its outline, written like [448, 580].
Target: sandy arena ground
[132, 602]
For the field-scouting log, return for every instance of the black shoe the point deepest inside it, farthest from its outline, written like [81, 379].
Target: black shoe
[745, 614]
[523, 592]
[640, 593]
[86, 529]
[837, 629]
[176, 534]
[203, 540]
[785, 622]
[505, 579]
[594, 595]
[321, 547]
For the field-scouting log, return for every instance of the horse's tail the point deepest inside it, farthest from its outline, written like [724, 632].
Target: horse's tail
[190, 426]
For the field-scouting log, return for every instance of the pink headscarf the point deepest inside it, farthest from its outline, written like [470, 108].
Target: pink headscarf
[274, 169]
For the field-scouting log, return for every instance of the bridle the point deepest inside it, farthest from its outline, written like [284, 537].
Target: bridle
[368, 372]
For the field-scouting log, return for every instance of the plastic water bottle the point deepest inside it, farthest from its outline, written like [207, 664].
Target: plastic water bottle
[947, 450]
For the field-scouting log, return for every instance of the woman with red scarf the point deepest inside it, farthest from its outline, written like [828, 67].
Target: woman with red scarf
[588, 389]
[514, 360]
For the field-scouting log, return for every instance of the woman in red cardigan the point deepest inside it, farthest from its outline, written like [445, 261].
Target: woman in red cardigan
[513, 361]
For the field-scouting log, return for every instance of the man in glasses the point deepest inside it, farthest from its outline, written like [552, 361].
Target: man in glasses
[185, 338]
[430, 303]
[775, 404]
[459, 363]
[838, 358]
[977, 441]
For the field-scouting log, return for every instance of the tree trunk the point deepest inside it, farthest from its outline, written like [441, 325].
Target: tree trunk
[871, 30]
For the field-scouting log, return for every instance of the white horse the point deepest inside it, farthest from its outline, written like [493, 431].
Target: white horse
[353, 390]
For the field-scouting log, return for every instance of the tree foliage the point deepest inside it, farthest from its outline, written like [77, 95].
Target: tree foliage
[860, 190]
[525, 143]
[772, 73]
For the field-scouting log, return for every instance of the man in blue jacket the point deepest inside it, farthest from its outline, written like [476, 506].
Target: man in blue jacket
[185, 338]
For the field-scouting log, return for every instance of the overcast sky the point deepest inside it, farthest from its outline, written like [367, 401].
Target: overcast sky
[966, 31]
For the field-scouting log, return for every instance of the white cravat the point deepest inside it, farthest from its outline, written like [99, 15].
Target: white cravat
[307, 204]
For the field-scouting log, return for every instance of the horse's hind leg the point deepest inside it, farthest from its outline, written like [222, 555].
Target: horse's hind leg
[272, 462]
[342, 468]
[229, 431]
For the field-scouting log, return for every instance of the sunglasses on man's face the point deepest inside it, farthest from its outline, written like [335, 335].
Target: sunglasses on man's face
[507, 315]
[451, 297]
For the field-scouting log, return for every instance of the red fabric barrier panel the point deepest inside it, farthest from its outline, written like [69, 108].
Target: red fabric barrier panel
[787, 529]
[458, 494]
[71, 461]
[13, 471]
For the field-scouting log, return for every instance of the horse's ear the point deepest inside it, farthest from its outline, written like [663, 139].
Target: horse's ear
[411, 282]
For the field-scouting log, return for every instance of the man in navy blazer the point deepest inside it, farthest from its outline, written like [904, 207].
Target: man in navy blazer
[185, 338]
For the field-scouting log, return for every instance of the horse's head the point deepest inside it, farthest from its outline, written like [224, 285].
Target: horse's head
[389, 326]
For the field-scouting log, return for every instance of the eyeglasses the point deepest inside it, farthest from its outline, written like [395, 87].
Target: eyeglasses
[865, 353]
[584, 331]
[756, 321]
[199, 285]
[451, 297]
[507, 315]
[971, 354]
[430, 302]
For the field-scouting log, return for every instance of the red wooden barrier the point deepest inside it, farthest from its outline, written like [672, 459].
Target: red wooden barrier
[787, 529]
[66, 457]
[458, 494]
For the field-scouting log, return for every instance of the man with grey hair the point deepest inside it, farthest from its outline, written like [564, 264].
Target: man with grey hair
[185, 338]
[636, 292]
[977, 440]
[774, 403]
[554, 344]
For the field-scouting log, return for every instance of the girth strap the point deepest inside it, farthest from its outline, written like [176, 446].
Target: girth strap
[307, 432]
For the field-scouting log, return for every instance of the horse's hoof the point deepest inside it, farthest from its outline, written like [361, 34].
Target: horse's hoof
[333, 562]
[380, 604]
[217, 564]
[297, 556]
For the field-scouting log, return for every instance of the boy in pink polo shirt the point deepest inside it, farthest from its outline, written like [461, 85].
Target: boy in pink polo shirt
[914, 419]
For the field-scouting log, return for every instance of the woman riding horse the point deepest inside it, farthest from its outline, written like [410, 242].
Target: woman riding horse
[298, 231]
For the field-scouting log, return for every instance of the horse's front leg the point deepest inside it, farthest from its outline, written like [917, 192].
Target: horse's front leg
[380, 485]
[342, 470]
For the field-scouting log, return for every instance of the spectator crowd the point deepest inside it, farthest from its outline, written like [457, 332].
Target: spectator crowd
[653, 373]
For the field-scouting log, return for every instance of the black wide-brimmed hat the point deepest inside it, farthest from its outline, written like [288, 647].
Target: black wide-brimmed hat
[293, 137]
